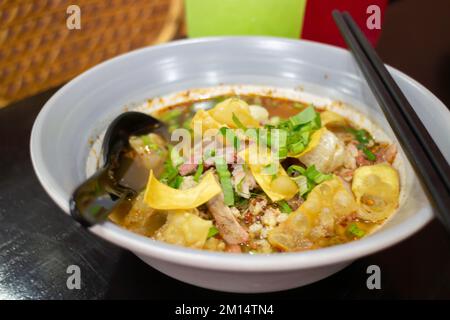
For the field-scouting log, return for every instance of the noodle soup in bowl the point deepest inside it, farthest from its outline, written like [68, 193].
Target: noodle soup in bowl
[259, 211]
[324, 76]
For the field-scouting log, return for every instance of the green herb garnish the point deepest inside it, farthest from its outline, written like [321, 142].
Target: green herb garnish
[146, 140]
[364, 138]
[274, 121]
[295, 168]
[241, 202]
[171, 115]
[304, 117]
[170, 171]
[299, 128]
[199, 172]
[284, 206]
[369, 154]
[238, 122]
[210, 153]
[187, 124]
[270, 169]
[212, 232]
[297, 147]
[177, 160]
[304, 185]
[95, 209]
[298, 105]
[307, 178]
[282, 153]
[175, 183]
[229, 134]
[354, 230]
[315, 175]
[225, 181]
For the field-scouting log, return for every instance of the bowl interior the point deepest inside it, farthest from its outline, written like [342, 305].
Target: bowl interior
[85, 106]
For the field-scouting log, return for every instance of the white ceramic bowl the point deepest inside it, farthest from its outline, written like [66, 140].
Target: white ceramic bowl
[84, 107]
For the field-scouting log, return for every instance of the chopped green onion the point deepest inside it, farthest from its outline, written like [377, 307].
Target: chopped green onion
[146, 140]
[238, 122]
[98, 188]
[354, 230]
[199, 172]
[361, 135]
[274, 121]
[210, 153]
[305, 116]
[170, 172]
[223, 131]
[294, 168]
[212, 232]
[177, 160]
[315, 175]
[369, 154]
[270, 169]
[95, 209]
[297, 147]
[241, 202]
[252, 134]
[363, 138]
[225, 181]
[228, 133]
[282, 153]
[278, 139]
[298, 105]
[175, 183]
[171, 115]
[308, 178]
[305, 137]
[154, 147]
[304, 186]
[239, 185]
[284, 206]
[187, 124]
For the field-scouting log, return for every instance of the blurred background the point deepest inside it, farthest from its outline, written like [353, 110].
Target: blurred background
[38, 51]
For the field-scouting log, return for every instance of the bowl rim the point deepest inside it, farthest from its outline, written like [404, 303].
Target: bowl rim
[217, 260]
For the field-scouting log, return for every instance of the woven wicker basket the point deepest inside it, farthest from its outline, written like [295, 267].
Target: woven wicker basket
[38, 51]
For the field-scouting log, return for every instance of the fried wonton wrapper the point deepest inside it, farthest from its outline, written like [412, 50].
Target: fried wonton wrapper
[160, 196]
[269, 174]
[185, 229]
[331, 119]
[223, 113]
[376, 189]
[327, 204]
[325, 151]
[204, 120]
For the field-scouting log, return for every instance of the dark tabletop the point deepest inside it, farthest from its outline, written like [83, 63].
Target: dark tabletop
[38, 241]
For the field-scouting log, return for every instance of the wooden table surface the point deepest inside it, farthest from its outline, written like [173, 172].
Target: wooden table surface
[38, 241]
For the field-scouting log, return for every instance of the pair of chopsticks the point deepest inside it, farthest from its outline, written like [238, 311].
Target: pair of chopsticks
[426, 158]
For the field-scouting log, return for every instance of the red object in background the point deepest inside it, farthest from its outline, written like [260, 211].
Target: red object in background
[319, 24]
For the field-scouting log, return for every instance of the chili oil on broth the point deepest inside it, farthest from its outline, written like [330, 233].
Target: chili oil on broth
[276, 106]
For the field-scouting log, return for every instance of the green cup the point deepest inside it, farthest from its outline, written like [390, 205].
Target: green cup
[280, 18]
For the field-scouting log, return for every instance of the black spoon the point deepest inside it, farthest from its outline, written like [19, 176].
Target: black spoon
[94, 199]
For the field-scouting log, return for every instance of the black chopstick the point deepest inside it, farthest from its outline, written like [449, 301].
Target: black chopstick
[428, 162]
[408, 112]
